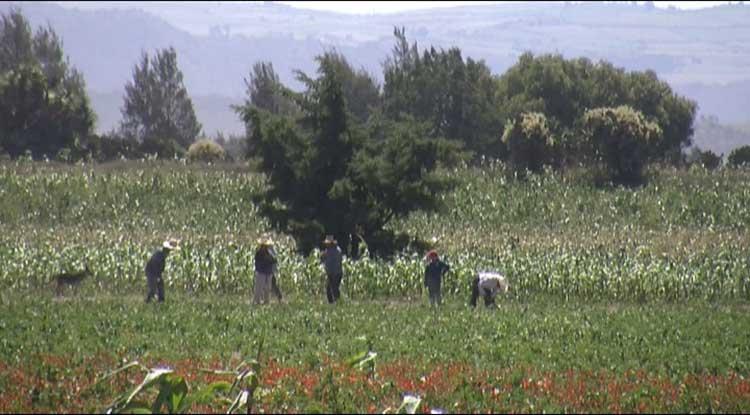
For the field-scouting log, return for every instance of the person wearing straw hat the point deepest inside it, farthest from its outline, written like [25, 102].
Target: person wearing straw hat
[433, 276]
[488, 284]
[331, 259]
[155, 268]
[265, 262]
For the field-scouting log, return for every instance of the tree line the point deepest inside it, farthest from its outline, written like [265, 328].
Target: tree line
[346, 155]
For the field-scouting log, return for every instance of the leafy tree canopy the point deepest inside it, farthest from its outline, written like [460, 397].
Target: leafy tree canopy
[43, 103]
[564, 89]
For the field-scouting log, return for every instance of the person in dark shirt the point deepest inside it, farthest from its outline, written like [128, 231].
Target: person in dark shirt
[332, 262]
[274, 274]
[155, 269]
[265, 264]
[433, 276]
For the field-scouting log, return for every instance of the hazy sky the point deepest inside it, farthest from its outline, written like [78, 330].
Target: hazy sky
[368, 7]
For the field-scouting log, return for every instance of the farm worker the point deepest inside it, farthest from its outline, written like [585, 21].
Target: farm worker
[488, 284]
[433, 275]
[155, 268]
[275, 271]
[331, 259]
[265, 263]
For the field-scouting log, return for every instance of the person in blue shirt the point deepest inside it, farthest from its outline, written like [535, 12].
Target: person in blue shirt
[155, 269]
[433, 276]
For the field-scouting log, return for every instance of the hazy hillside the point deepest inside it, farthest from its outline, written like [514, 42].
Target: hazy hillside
[719, 138]
[704, 54]
[730, 102]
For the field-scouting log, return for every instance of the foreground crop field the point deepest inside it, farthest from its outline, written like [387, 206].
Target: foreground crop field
[521, 357]
[623, 300]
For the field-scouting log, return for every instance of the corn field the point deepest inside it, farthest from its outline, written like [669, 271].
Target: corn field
[680, 237]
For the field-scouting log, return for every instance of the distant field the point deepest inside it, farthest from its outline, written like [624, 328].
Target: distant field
[622, 300]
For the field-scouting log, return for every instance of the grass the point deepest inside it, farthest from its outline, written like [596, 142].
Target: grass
[550, 335]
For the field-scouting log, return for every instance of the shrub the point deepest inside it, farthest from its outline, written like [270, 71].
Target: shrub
[618, 139]
[739, 157]
[206, 151]
[708, 159]
[529, 141]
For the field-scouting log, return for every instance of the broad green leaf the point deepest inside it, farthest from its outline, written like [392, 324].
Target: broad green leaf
[239, 402]
[410, 404]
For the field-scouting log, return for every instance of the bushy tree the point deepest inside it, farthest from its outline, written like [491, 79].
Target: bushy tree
[619, 140]
[329, 174]
[43, 103]
[739, 157]
[530, 142]
[205, 151]
[563, 89]
[157, 111]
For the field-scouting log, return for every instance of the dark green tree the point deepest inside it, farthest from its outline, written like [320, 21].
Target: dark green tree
[329, 174]
[708, 159]
[43, 103]
[455, 97]
[157, 111]
[361, 91]
[739, 157]
[265, 91]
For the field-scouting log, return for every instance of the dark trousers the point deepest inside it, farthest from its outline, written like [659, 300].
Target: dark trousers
[433, 287]
[275, 287]
[332, 287]
[489, 299]
[155, 288]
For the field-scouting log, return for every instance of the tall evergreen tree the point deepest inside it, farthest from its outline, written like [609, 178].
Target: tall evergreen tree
[157, 111]
[330, 174]
[265, 91]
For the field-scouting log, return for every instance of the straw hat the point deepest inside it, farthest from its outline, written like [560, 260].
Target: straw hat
[265, 241]
[171, 244]
[330, 240]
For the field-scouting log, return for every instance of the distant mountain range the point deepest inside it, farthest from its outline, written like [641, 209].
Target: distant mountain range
[704, 54]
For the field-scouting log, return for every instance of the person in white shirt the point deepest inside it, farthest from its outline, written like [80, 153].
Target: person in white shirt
[488, 284]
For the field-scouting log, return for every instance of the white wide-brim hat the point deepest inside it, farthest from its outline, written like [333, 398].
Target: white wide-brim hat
[171, 244]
